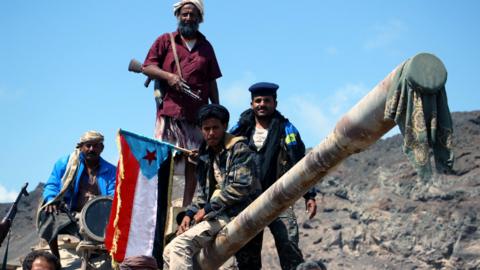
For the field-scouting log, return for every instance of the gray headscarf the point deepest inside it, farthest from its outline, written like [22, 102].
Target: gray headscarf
[90, 136]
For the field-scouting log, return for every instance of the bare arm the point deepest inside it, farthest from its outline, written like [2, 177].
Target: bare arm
[214, 98]
[311, 207]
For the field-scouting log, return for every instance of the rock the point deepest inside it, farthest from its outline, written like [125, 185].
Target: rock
[336, 226]
[319, 240]
[306, 225]
[356, 241]
[328, 209]
[337, 241]
[447, 249]
[469, 229]
[342, 193]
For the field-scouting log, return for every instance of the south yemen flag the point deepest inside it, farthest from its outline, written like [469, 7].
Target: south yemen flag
[142, 196]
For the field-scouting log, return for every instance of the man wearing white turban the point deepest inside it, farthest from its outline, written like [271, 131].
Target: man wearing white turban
[197, 3]
[184, 57]
[75, 179]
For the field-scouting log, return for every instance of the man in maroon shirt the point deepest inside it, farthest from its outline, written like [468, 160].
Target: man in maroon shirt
[198, 69]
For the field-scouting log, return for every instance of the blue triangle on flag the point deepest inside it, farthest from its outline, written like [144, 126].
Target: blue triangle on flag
[149, 153]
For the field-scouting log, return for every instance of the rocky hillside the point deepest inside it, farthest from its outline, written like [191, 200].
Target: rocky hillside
[373, 214]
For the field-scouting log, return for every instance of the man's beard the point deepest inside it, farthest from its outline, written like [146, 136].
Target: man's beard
[92, 157]
[266, 117]
[188, 30]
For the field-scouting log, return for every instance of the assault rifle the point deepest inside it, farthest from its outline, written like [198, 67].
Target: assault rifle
[136, 66]
[8, 219]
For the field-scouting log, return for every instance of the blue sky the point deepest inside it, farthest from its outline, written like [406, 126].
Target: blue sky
[64, 65]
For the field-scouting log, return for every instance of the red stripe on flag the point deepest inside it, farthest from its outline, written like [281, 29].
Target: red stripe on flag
[131, 169]
[109, 231]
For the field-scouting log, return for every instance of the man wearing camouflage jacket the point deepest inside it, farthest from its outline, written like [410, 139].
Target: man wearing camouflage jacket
[226, 184]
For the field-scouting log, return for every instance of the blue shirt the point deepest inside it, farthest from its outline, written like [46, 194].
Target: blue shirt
[105, 180]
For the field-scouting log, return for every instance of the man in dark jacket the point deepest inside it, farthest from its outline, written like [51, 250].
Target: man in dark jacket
[226, 185]
[278, 146]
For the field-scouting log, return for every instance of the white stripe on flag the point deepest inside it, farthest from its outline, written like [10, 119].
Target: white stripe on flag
[144, 217]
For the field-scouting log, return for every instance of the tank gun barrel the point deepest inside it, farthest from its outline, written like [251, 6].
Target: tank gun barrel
[362, 126]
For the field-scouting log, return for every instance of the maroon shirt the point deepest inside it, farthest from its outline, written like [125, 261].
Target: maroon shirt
[199, 67]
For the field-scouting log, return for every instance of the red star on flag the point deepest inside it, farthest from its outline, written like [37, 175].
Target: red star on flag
[150, 156]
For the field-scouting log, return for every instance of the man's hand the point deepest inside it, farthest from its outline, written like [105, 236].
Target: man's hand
[192, 156]
[311, 207]
[175, 81]
[199, 215]
[184, 226]
[51, 209]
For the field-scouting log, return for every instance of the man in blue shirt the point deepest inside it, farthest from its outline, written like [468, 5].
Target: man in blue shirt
[75, 179]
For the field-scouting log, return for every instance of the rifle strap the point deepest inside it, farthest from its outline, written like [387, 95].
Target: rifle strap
[5, 257]
[175, 55]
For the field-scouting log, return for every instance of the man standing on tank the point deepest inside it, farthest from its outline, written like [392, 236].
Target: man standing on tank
[277, 147]
[198, 68]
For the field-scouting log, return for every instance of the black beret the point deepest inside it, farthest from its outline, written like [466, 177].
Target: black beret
[212, 111]
[263, 89]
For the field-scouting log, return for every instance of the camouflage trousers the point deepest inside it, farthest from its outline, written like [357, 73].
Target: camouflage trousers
[285, 232]
[179, 253]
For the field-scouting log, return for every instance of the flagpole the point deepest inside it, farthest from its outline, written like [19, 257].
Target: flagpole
[183, 150]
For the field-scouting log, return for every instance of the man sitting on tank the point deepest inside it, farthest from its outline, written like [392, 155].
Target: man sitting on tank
[75, 179]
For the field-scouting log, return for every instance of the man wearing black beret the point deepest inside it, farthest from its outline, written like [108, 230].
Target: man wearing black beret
[277, 146]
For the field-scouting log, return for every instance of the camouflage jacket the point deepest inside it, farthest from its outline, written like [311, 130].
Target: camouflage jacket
[239, 186]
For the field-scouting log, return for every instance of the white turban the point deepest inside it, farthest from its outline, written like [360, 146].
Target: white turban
[196, 3]
[90, 136]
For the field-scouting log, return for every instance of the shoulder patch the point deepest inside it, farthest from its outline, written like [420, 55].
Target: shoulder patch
[234, 128]
[290, 134]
